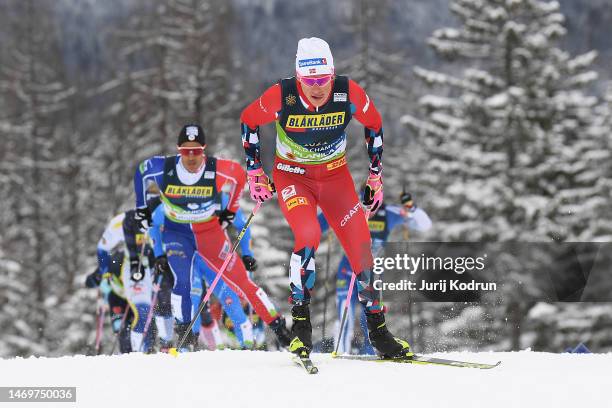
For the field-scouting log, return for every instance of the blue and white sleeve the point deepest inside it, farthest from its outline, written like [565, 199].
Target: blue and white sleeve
[149, 171]
[155, 231]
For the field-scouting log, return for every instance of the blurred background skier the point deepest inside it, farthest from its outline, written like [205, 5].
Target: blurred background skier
[190, 184]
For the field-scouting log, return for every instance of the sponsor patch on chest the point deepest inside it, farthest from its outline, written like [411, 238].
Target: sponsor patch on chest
[322, 120]
[175, 191]
[340, 96]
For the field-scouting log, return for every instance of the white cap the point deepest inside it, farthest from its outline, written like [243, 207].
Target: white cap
[313, 57]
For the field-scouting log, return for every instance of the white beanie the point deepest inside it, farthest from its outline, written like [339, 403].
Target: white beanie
[313, 57]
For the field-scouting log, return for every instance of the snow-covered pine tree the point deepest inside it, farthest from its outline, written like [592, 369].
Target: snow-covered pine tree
[35, 99]
[510, 157]
[509, 151]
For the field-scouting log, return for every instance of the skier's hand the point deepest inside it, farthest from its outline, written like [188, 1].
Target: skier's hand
[143, 219]
[259, 185]
[226, 218]
[93, 279]
[137, 272]
[373, 192]
[162, 268]
[250, 263]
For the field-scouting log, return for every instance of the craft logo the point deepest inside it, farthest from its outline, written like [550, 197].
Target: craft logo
[290, 100]
[315, 121]
[350, 214]
[376, 226]
[175, 191]
[337, 163]
[290, 169]
[295, 201]
[312, 61]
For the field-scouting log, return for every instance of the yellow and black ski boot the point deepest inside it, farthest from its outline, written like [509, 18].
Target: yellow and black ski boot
[387, 345]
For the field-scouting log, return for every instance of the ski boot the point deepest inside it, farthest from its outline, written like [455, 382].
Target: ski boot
[388, 346]
[191, 342]
[301, 343]
[279, 327]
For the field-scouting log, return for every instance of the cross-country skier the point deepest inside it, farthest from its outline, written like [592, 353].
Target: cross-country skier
[189, 184]
[135, 283]
[312, 111]
[230, 301]
[383, 221]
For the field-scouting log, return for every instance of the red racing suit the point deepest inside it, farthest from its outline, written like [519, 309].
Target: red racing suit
[310, 171]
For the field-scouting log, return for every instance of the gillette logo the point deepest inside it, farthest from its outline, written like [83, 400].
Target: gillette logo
[290, 169]
[312, 61]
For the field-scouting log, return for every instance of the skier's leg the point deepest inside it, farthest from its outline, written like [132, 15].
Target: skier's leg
[342, 283]
[180, 249]
[214, 247]
[363, 322]
[231, 305]
[297, 200]
[340, 204]
[118, 307]
[163, 315]
[138, 295]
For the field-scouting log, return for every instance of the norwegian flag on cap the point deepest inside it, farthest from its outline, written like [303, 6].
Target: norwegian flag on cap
[313, 57]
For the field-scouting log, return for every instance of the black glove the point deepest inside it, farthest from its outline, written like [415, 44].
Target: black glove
[249, 263]
[137, 272]
[143, 219]
[161, 268]
[93, 279]
[226, 217]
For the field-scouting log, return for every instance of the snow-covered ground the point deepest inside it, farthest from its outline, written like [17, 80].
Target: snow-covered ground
[259, 379]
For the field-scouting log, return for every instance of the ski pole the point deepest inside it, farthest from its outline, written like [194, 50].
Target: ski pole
[127, 306]
[100, 327]
[348, 301]
[100, 312]
[145, 331]
[230, 255]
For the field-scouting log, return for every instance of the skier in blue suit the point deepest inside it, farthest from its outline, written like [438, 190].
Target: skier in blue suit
[229, 300]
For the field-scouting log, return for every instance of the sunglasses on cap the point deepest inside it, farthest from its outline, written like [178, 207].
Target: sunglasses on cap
[320, 81]
[191, 151]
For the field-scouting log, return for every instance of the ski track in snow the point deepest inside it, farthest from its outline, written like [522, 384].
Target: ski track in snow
[260, 379]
